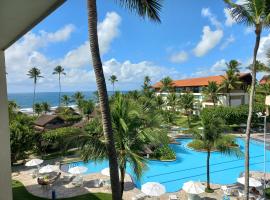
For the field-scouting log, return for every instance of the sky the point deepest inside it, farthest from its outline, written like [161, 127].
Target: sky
[195, 38]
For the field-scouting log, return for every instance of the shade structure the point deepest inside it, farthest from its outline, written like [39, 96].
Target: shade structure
[106, 171]
[78, 170]
[192, 187]
[153, 189]
[33, 162]
[47, 169]
[252, 182]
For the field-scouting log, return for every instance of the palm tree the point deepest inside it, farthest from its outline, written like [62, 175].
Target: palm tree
[172, 101]
[65, 100]
[211, 92]
[143, 8]
[212, 138]
[234, 66]
[77, 97]
[166, 84]
[146, 83]
[186, 102]
[87, 107]
[113, 79]
[130, 133]
[256, 14]
[38, 108]
[34, 73]
[45, 107]
[59, 70]
[230, 82]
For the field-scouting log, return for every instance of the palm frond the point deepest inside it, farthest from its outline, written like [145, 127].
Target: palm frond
[149, 8]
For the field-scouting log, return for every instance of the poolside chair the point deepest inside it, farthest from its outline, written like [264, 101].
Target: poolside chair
[77, 181]
[139, 196]
[227, 191]
[68, 177]
[173, 197]
[98, 183]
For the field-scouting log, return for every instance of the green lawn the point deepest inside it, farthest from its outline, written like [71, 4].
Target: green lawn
[20, 193]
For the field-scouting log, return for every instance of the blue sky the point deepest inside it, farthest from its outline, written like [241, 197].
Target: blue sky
[195, 38]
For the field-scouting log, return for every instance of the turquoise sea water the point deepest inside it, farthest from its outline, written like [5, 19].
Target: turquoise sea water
[24, 100]
[190, 165]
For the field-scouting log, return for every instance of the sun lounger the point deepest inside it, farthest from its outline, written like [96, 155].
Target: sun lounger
[77, 181]
[227, 191]
[173, 197]
[68, 178]
[139, 196]
[98, 183]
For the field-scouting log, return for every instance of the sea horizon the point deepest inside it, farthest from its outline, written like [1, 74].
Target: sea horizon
[25, 99]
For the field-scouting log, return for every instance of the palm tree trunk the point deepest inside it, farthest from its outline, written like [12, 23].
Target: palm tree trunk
[34, 97]
[229, 97]
[208, 169]
[103, 99]
[122, 181]
[251, 101]
[59, 95]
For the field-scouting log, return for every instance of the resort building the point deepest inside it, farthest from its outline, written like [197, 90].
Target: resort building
[17, 18]
[48, 122]
[265, 79]
[238, 96]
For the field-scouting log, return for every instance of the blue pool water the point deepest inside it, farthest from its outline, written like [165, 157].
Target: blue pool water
[190, 165]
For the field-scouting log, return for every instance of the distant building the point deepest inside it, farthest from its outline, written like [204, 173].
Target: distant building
[265, 79]
[238, 96]
[48, 122]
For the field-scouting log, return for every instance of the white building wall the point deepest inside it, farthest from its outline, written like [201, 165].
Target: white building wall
[5, 164]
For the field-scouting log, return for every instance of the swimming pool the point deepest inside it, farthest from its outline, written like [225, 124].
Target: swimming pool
[190, 165]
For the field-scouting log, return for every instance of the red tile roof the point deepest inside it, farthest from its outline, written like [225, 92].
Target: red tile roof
[201, 81]
[265, 79]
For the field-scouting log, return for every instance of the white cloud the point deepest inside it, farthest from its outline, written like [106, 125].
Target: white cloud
[108, 30]
[216, 69]
[229, 20]
[209, 40]
[264, 48]
[227, 42]
[179, 57]
[206, 12]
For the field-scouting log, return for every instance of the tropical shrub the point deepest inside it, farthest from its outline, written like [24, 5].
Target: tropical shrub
[22, 136]
[164, 152]
[233, 115]
[58, 139]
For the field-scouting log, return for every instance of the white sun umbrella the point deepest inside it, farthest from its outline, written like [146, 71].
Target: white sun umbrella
[252, 182]
[78, 170]
[193, 187]
[106, 171]
[153, 189]
[33, 162]
[47, 169]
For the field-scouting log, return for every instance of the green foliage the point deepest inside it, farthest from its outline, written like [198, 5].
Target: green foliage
[267, 192]
[197, 145]
[87, 107]
[164, 152]
[20, 193]
[38, 108]
[233, 115]
[22, 136]
[58, 139]
[68, 114]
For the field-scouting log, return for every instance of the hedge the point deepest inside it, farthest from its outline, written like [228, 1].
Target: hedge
[233, 115]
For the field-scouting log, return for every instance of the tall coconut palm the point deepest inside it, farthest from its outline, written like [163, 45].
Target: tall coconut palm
[211, 92]
[34, 73]
[38, 108]
[254, 13]
[212, 139]
[233, 65]
[146, 83]
[59, 70]
[230, 82]
[166, 84]
[45, 106]
[113, 79]
[172, 101]
[77, 97]
[129, 120]
[65, 100]
[143, 8]
[186, 102]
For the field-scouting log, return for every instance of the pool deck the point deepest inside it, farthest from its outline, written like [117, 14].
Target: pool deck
[66, 189]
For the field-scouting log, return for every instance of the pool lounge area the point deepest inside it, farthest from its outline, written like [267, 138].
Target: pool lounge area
[190, 165]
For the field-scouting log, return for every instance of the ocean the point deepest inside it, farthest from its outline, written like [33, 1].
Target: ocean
[24, 100]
